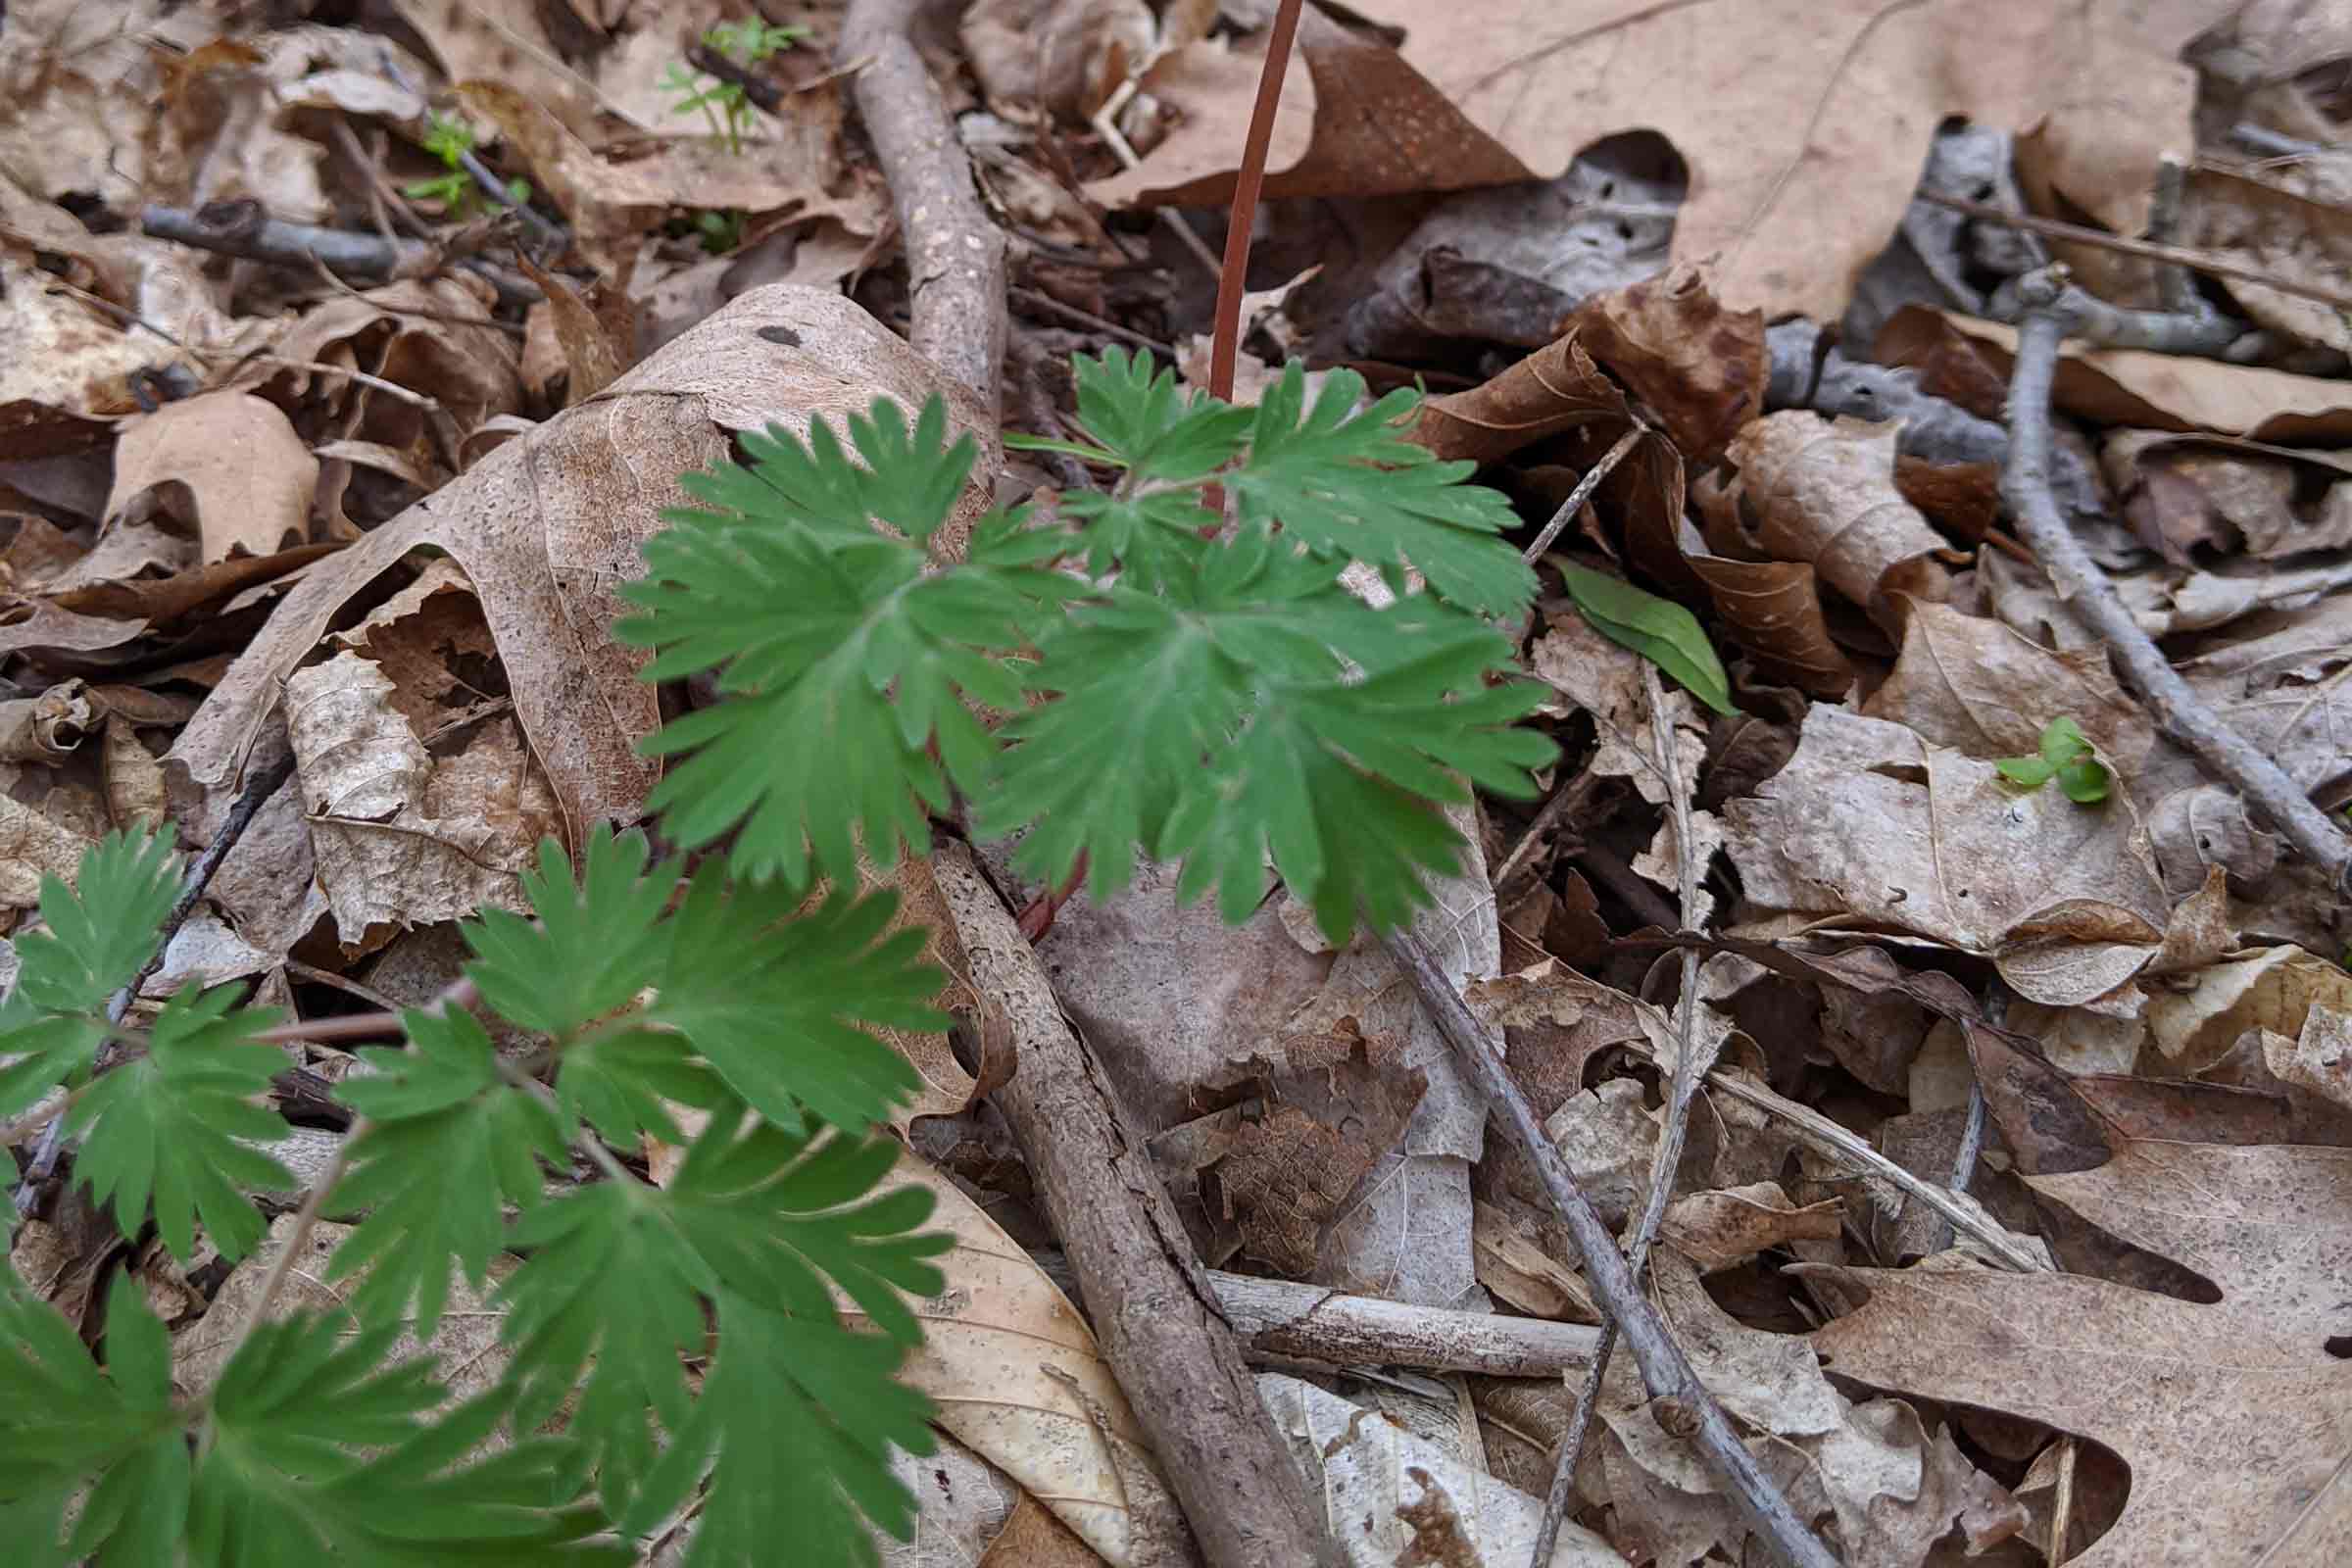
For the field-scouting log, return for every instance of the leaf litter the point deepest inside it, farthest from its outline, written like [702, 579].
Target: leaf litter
[373, 524]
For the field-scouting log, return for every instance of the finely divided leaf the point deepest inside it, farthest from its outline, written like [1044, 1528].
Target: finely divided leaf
[99, 934]
[101, 930]
[68, 1423]
[1348, 487]
[180, 1123]
[318, 1450]
[1157, 432]
[596, 943]
[447, 1138]
[778, 998]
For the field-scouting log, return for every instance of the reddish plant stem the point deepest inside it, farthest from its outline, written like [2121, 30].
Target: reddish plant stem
[1225, 346]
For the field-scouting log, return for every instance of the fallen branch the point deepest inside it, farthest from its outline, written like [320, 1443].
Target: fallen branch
[1279, 1317]
[2205, 261]
[2085, 589]
[1665, 1371]
[1689, 1071]
[243, 230]
[1159, 1318]
[955, 255]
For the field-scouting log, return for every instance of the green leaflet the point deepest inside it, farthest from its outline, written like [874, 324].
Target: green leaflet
[1659, 629]
[2065, 756]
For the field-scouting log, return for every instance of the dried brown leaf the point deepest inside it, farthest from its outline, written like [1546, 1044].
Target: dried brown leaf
[2229, 1414]
[226, 465]
[1824, 493]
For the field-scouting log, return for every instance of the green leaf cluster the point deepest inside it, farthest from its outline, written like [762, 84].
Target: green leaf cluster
[2065, 755]
[1218, 695]
[1174, 665]
[734, 1019]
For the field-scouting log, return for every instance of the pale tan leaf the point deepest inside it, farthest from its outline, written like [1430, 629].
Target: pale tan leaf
[246, 476]
[1018, 1378]
[2319, 1059]
[2230, 1415]
[2271, 987]
[1799, 173]
[1396, 1499]
[1978, 687]
[1718, 1230]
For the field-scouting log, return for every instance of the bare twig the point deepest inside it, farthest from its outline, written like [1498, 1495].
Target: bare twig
[1162, 1328]
[1233, 279]
[1088, 319]
[193, 882]
[1277, 1317]
[238, 228]
[1106, 125]
[1665, 1371]
[2205, 261]
[1568, 509]
[2085, 587]
[1573, 796]
[1689, 1072]
[2196, 330]
[954, 256]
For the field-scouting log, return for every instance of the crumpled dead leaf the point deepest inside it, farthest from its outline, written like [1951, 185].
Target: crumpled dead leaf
[1062, 57]
[1823, 494]
[1872, 827]
[1393, 1499]
[1726, 1227]
[546, 527]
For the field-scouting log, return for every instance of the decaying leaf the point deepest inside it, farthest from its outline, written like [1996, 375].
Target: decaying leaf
[1823, 494]
[1018, 1379]
[547, 526]
[2319, 1059]
[2229, 1414]
[1717, 1230]
[1795, 187]
[1395, 1499]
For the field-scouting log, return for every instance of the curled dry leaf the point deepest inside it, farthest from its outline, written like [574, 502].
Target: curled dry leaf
[225, 464]
[2319, 1059]
[1393, 1499]
[2276, 232]
[1724, 1228]
[399, 838]
[32, 847]
[1697, 365]
[1825, 494]
[1018, 1379]
[2273, 989]
[549, 523]
[1062, 56]
[2229, 1413]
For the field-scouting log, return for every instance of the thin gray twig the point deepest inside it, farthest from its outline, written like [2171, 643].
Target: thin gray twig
[2086, 588]
[1689, 1073]
[1665, 1371]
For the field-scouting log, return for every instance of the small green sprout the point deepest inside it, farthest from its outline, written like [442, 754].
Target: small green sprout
[720, 229]
[724, 103]
[450, 139]
[2065, 757]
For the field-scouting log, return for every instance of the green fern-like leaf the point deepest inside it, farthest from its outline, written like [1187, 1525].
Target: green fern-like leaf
[179, 1121]
[70, 1425]
[320, 1449]
[98, 934]
[1348, 487]
[447, 1138]
[615, 1280]
[848, 662]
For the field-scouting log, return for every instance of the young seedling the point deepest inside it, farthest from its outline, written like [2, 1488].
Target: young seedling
[686, 1350]
[454, 190]
[723, 104]
[2065, 756]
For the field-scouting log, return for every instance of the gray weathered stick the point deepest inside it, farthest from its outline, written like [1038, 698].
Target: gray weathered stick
[955, 255]
[2178, 710]
[1665, 1371]
[1154, 1307]
[1281, 1317]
